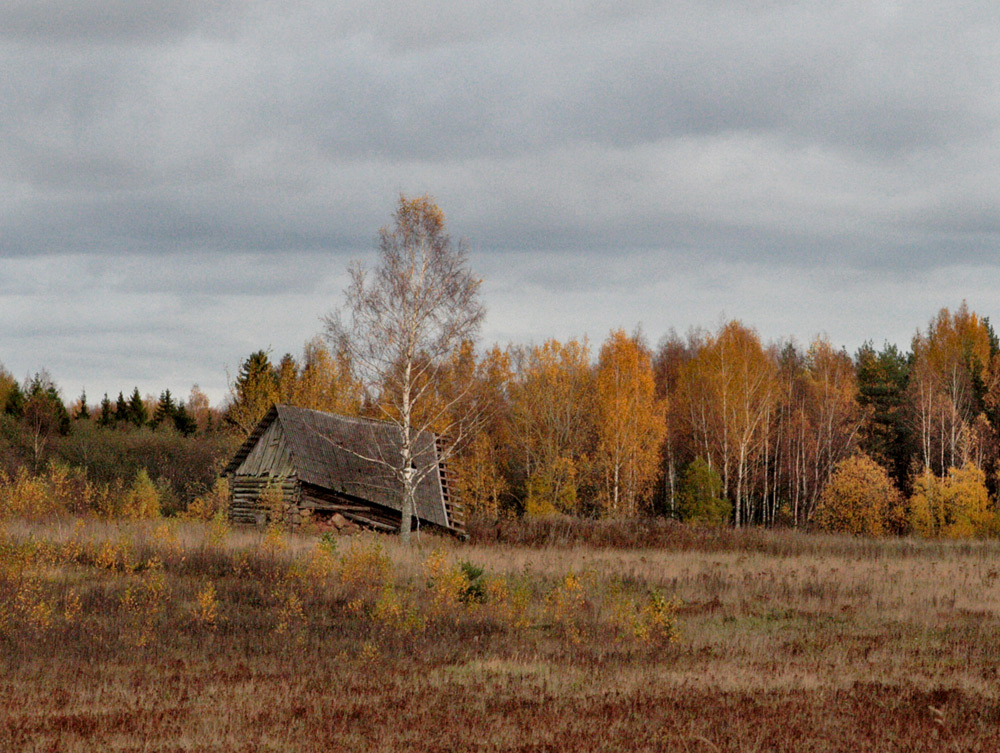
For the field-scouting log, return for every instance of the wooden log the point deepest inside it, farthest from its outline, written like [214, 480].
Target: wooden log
[369, 522]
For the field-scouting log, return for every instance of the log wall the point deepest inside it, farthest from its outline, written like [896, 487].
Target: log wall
[245, 498]
[299, 502]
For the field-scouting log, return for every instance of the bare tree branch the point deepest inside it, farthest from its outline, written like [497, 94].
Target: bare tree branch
[401, 326]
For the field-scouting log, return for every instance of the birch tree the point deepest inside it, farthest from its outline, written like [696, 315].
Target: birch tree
[832, 415]
[729, 390]
[631, 422]
[400, 327]
[552, 413]
[950, 360]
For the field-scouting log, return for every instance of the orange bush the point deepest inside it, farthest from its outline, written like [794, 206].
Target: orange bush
[860, 498]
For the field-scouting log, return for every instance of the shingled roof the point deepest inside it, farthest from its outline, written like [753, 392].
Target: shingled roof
[343, 454]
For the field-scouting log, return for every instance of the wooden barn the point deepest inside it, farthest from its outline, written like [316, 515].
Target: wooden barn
[317, 464]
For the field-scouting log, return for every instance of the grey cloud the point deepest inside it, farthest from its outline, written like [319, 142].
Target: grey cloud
[105, 21]
[209, 167]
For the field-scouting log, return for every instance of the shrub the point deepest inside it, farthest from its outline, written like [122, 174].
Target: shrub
[700, 499]
[656, 622]
[59, 490]
[445, 580]
[859, 498]
[189, 465]
[365, 565]
[956, 506]
[566, 605]
[210, 504]
[25, 496]
[207, 610]
[142, 499]
[475, 589]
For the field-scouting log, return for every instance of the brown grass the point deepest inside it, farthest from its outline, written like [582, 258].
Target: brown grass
[174, 636]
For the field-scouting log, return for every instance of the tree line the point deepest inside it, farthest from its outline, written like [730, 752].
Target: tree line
[715, 426]
[180, 446]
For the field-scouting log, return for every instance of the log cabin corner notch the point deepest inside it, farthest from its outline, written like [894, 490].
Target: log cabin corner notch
[322, 463]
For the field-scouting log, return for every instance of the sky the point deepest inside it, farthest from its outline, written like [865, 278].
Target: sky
[185, 182]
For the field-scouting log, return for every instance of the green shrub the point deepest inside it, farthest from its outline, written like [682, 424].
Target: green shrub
[475, 589]
[700, 499]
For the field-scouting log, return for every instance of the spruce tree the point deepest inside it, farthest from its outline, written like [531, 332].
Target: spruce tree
[255, 391]
[83, 412]
[107, 412]
[121, 409]
[44, 415]
[136, 411]
[166, 409]
[183, 421]
[885, 435]
[15, 401]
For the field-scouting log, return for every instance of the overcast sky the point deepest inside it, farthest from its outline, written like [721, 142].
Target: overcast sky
[184, 182]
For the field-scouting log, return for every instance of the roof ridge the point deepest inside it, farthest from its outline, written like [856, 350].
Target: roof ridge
[340, 416]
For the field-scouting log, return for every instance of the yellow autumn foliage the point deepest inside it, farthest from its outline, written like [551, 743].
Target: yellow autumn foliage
[955, 506]
[860, 498]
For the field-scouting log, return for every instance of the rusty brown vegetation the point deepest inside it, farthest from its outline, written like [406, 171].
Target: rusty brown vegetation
[187, 635]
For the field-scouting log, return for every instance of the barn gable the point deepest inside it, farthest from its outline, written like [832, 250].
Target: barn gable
[328, 461]
[268, 456]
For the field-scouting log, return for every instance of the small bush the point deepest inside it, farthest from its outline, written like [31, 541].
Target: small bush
[365, 564]
[565, 607]
[59, 490]
[475, 588]
[860, 498]
[207, 610]
[142, 499]
[657, 620]
[210, 504]
[446, 581]
[700, 499]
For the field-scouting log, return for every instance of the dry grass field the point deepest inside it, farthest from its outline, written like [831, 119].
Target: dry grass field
[186, 636]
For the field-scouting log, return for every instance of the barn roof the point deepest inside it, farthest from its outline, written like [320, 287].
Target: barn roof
[345, 454]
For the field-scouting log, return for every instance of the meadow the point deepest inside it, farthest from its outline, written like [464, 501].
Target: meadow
[173, 635]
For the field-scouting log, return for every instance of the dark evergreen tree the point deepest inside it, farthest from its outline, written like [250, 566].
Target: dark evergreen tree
[121, 410]
[885, 434]
[165, 410]
[136, 411]
[994, 340]
[183, 421]
[44, 415]
[41, 390]
[83, 412]
[107, 412]
[701, 499]
[14, 405]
